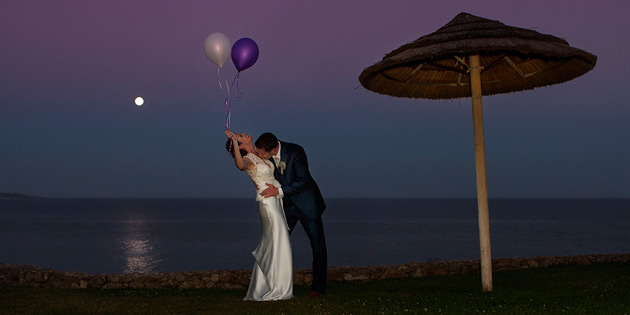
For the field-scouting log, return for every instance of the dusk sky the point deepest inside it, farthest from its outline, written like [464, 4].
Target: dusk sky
[70, 70]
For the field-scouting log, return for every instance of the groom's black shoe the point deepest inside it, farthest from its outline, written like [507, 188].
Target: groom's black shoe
[314, 295]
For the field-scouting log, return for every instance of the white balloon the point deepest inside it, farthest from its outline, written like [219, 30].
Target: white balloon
[217, 48]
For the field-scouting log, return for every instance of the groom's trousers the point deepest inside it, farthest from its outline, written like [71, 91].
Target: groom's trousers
[314, 229]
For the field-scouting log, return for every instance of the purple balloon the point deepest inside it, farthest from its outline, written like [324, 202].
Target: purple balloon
[244, 53]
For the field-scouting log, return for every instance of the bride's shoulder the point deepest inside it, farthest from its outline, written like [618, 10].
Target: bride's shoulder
[250, 161]
[252, 157]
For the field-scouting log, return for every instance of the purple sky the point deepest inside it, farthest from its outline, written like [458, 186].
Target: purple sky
[70, 71]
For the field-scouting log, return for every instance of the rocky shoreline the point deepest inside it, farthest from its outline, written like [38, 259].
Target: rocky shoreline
[34, 276]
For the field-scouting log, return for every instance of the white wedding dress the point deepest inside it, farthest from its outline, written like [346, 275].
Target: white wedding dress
[272, 277]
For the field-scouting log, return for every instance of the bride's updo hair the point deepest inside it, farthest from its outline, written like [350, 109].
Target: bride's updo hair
[230, 148]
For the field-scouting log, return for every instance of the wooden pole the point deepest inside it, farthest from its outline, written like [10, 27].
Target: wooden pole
[480, 165]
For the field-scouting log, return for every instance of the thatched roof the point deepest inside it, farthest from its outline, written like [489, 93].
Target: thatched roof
[513, 59]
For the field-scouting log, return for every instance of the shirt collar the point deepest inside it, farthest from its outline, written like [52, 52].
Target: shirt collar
[277, 156]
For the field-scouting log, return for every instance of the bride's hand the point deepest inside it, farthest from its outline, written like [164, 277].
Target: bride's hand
[229, 134]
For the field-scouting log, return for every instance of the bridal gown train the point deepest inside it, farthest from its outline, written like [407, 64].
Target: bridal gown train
[272, 277]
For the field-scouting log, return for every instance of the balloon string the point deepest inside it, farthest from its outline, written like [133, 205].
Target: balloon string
[219, 77]
[228, 104]
[228, 114]
[238, 88]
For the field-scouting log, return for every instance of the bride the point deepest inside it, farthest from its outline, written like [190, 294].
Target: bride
[272, 277]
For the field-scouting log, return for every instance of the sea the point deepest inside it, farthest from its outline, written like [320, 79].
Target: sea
[169, 235]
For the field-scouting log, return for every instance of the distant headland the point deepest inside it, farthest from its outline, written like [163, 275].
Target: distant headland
[4, 195]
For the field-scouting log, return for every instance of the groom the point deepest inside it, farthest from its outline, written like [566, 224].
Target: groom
[302, 199]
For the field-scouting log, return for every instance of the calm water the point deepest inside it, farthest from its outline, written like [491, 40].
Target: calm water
[166, 235]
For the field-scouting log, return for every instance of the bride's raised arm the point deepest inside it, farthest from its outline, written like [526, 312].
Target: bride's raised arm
[240, 162]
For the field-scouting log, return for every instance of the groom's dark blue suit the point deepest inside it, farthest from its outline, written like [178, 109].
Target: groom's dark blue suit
[304, 202]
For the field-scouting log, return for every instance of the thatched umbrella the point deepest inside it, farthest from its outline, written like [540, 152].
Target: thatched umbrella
[470, 57]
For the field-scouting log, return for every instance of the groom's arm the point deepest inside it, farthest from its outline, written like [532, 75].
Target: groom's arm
[300, 177]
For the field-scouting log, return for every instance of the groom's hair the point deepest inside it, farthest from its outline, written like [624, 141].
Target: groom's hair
[267, 141]
[230, 148]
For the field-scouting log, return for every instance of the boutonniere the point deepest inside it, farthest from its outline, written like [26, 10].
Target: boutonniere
[282, 166]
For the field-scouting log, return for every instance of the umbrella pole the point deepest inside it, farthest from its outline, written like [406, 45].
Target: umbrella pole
[480, 165]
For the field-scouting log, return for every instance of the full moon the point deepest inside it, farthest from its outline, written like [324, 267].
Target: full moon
[139, 101]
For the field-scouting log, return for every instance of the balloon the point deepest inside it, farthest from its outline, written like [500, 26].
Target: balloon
[217, 48]
[244, 53]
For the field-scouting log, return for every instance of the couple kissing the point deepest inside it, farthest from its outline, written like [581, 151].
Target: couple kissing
[286, 193]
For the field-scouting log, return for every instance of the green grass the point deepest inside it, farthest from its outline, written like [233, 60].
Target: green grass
[595, 289]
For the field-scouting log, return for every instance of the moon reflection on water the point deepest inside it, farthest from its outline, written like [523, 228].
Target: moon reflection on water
[141, 255]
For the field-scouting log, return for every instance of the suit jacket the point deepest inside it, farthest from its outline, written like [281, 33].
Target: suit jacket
[299, 187]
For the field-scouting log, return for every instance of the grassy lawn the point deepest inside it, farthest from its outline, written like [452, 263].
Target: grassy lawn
[595, 289]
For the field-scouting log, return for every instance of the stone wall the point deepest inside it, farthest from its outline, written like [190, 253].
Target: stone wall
[33, 276]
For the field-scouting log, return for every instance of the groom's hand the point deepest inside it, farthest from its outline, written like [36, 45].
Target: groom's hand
[271, 191]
